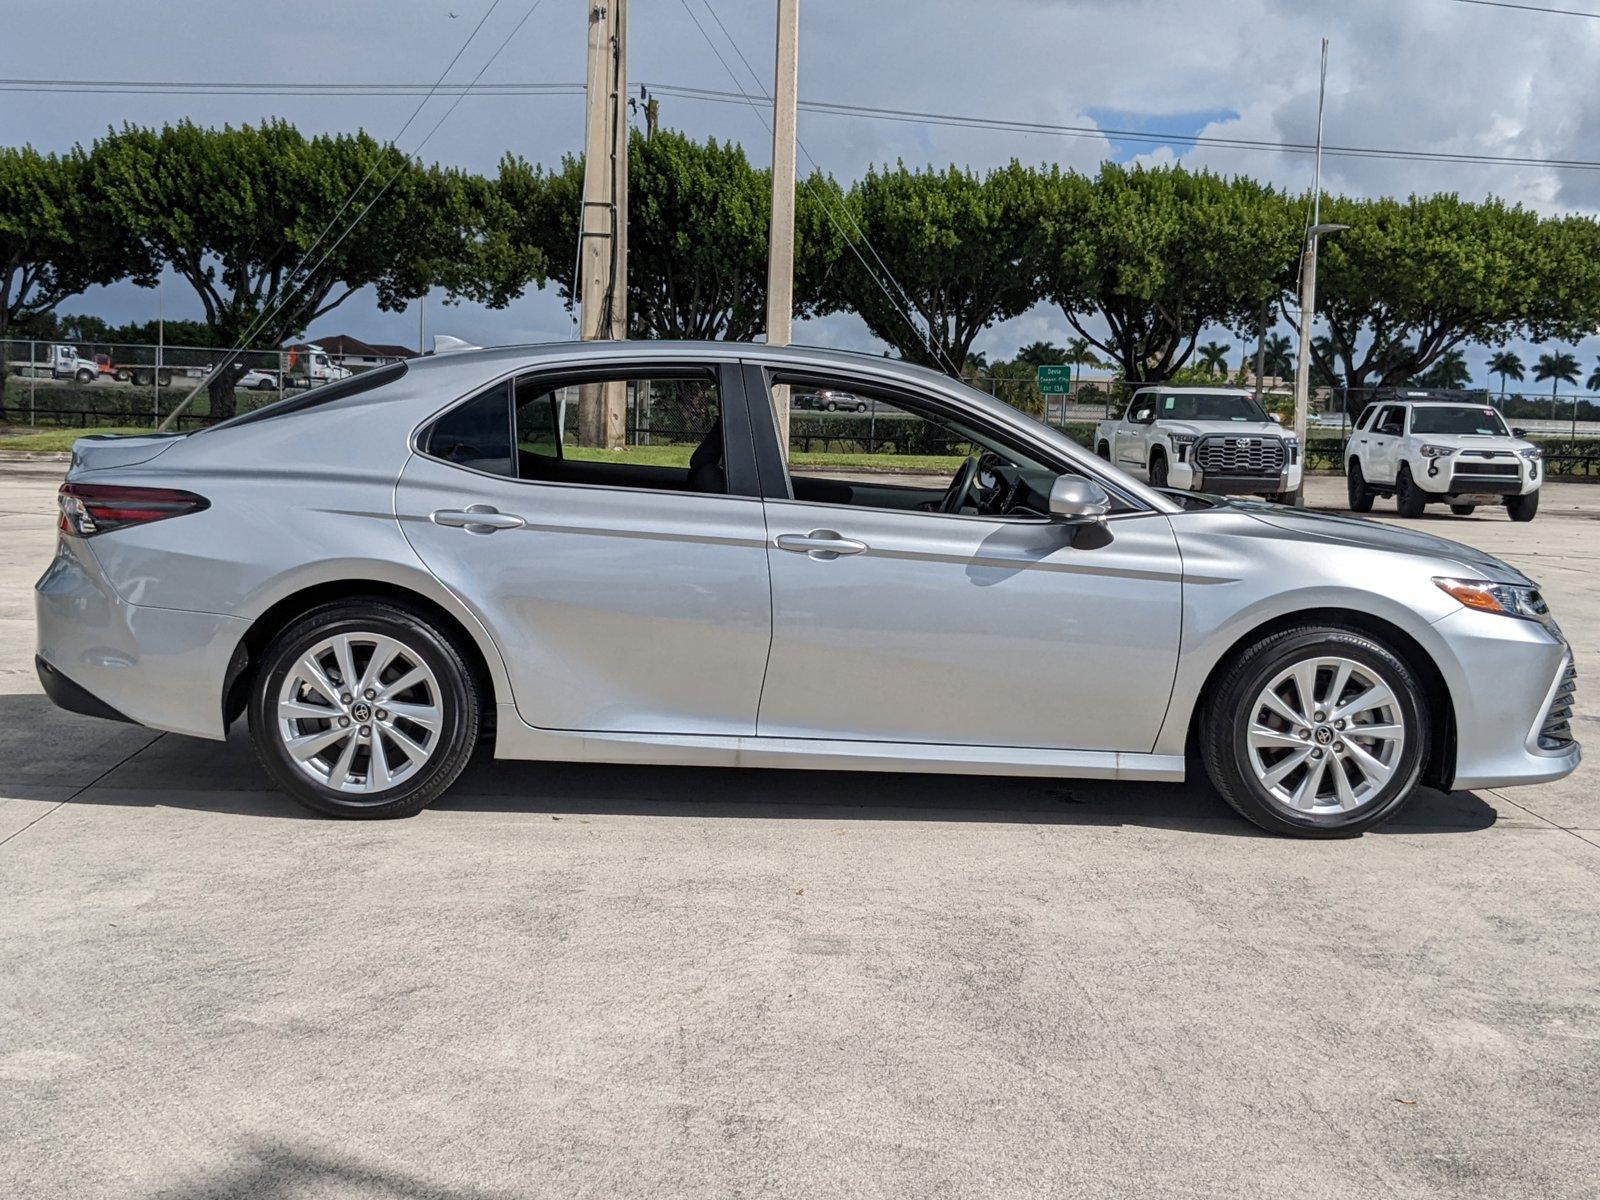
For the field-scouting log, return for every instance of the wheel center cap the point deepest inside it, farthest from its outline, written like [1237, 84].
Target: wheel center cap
[1323, 735]
[361, 711]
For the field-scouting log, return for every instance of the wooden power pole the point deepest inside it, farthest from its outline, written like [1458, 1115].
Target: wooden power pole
[603, 249]
[780, 253]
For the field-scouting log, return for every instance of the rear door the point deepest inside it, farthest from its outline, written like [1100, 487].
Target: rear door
[627, 589]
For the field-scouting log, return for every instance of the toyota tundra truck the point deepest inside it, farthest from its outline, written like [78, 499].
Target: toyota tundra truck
[1217, 440]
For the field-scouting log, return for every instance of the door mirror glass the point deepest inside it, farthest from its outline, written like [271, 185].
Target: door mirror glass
[1517, 431]
[1143, 416]
[1074, 499]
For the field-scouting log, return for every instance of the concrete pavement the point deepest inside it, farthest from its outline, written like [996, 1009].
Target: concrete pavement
[603, 981]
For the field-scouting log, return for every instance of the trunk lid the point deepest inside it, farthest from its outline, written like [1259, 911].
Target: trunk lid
[100, 452]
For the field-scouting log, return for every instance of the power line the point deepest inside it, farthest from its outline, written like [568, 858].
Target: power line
[906, 116]
[1539, 8]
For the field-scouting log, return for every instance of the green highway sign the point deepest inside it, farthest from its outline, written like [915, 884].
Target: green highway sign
[1055, 381]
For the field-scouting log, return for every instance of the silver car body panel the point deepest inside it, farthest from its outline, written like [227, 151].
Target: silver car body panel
[633, 625]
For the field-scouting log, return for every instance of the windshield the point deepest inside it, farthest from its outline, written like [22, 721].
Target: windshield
[1204, 406]
[1463, 421]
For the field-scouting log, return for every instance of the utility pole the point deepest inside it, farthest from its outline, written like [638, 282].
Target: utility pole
[603, 236]
[1308, 291]
[780, 253]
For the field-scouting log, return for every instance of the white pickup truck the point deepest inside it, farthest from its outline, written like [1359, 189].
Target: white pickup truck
[1217, 440]
[1457, 454]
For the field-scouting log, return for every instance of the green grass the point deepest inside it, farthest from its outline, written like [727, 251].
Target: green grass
[57, 441]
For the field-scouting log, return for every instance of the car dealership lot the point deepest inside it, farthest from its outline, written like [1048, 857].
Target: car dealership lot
[608, 981]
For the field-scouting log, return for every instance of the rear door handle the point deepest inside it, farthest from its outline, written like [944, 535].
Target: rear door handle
[477, 518]
[819, 543]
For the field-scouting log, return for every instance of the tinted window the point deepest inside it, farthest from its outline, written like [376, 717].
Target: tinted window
[476, 434]
[1391, 420]
[1465, 421]
[326, 394]
[667, 432]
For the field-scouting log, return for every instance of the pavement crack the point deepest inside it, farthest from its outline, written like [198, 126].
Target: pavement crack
[1553, 824]
[60, 804]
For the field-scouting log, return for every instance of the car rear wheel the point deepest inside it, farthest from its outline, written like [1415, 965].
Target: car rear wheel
[1360, 495]
[364, 709]
[1409, 499]
[1316, 731]
[1522, 508]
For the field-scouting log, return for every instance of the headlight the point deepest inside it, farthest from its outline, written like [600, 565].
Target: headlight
[1428, 451]
[1532, 453]
[1182, 443]
[1507, 599]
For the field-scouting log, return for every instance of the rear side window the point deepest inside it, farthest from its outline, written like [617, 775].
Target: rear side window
[342, 389]
[476, 434]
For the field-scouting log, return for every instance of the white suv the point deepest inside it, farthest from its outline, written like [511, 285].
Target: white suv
[1459, 454]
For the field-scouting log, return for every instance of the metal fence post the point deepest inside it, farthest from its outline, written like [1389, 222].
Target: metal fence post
[33, 377]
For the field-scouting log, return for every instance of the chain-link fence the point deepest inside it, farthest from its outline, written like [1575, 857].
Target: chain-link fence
[105, 384]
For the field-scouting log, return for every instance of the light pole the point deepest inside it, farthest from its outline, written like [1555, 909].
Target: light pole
[1302, 366]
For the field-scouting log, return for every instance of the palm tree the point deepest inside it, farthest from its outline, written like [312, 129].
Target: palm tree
[1279, 361]
[1080, 353]
[1212, 358]
[1042, 354]
[1507, 365]
[1449, 371]
[1593, 383]
[1559, 367]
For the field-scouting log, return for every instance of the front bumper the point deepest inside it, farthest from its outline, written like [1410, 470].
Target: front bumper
[1189, 477]
[1455, 475]
[1506, 677]
[98, 654]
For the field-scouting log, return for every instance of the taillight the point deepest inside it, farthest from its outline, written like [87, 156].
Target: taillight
[91, 508]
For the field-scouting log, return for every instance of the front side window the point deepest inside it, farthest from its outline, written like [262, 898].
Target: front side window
[897, 455]
[1465, 421]
[1391, 421]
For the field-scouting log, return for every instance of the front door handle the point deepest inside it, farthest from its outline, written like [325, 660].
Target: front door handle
[476, 518]
[819, 543]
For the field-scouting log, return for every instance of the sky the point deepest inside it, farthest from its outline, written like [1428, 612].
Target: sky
[1419, 74]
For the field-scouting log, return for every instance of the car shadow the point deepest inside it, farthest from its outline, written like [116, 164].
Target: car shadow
[224, 777]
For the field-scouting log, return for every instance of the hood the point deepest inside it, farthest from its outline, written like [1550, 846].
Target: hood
[100, 451]
[1233, 428]
[1371, 535]
[1461, 441]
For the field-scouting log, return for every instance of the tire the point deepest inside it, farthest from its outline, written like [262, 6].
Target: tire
[86, 376]
[264, 385]
[448, 687]
[1409, 499]
[1360, 495]
[1463, 510]
[860, 408]
[1158, 469]
[1243, 772]
[1522, 508]
[831, 406]
[1104, 450]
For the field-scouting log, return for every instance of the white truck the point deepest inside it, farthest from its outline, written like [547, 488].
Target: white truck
[1448, 453]
[58, 361]
[1217, 440]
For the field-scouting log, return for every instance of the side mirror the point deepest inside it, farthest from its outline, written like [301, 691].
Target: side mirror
[1074, 500]
[1517, 431]
[1275, 418]
[1143, 416]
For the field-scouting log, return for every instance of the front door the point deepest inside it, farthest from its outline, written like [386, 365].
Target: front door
[627, 590]
[894, 620]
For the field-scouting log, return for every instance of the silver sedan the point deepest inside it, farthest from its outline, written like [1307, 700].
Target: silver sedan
[608, 552]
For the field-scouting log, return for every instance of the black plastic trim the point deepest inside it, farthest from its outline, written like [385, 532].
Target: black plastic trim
[74, 697]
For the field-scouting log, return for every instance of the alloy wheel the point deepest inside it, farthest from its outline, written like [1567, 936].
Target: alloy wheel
[1325, 736]
[360, 712]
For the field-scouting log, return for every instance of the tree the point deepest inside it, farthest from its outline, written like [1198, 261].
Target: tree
[1159, 254]
[698, 215]
[1449, 370]
[1280, 356]
[1593, 382]
[238, 213]
[1411, 280]
[54, 240]
[1043, 354]
[964, 253]
[1507, 365]
[1081, 354]
[1212, 358]
[1558, 366]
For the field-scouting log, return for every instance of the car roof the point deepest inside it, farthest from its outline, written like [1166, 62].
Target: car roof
[1208, 391]
[1443, 403]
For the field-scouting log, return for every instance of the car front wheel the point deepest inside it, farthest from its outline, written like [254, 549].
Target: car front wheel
[364, 709]
[1409, 499]
[1522, 508]
[1316, 731]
